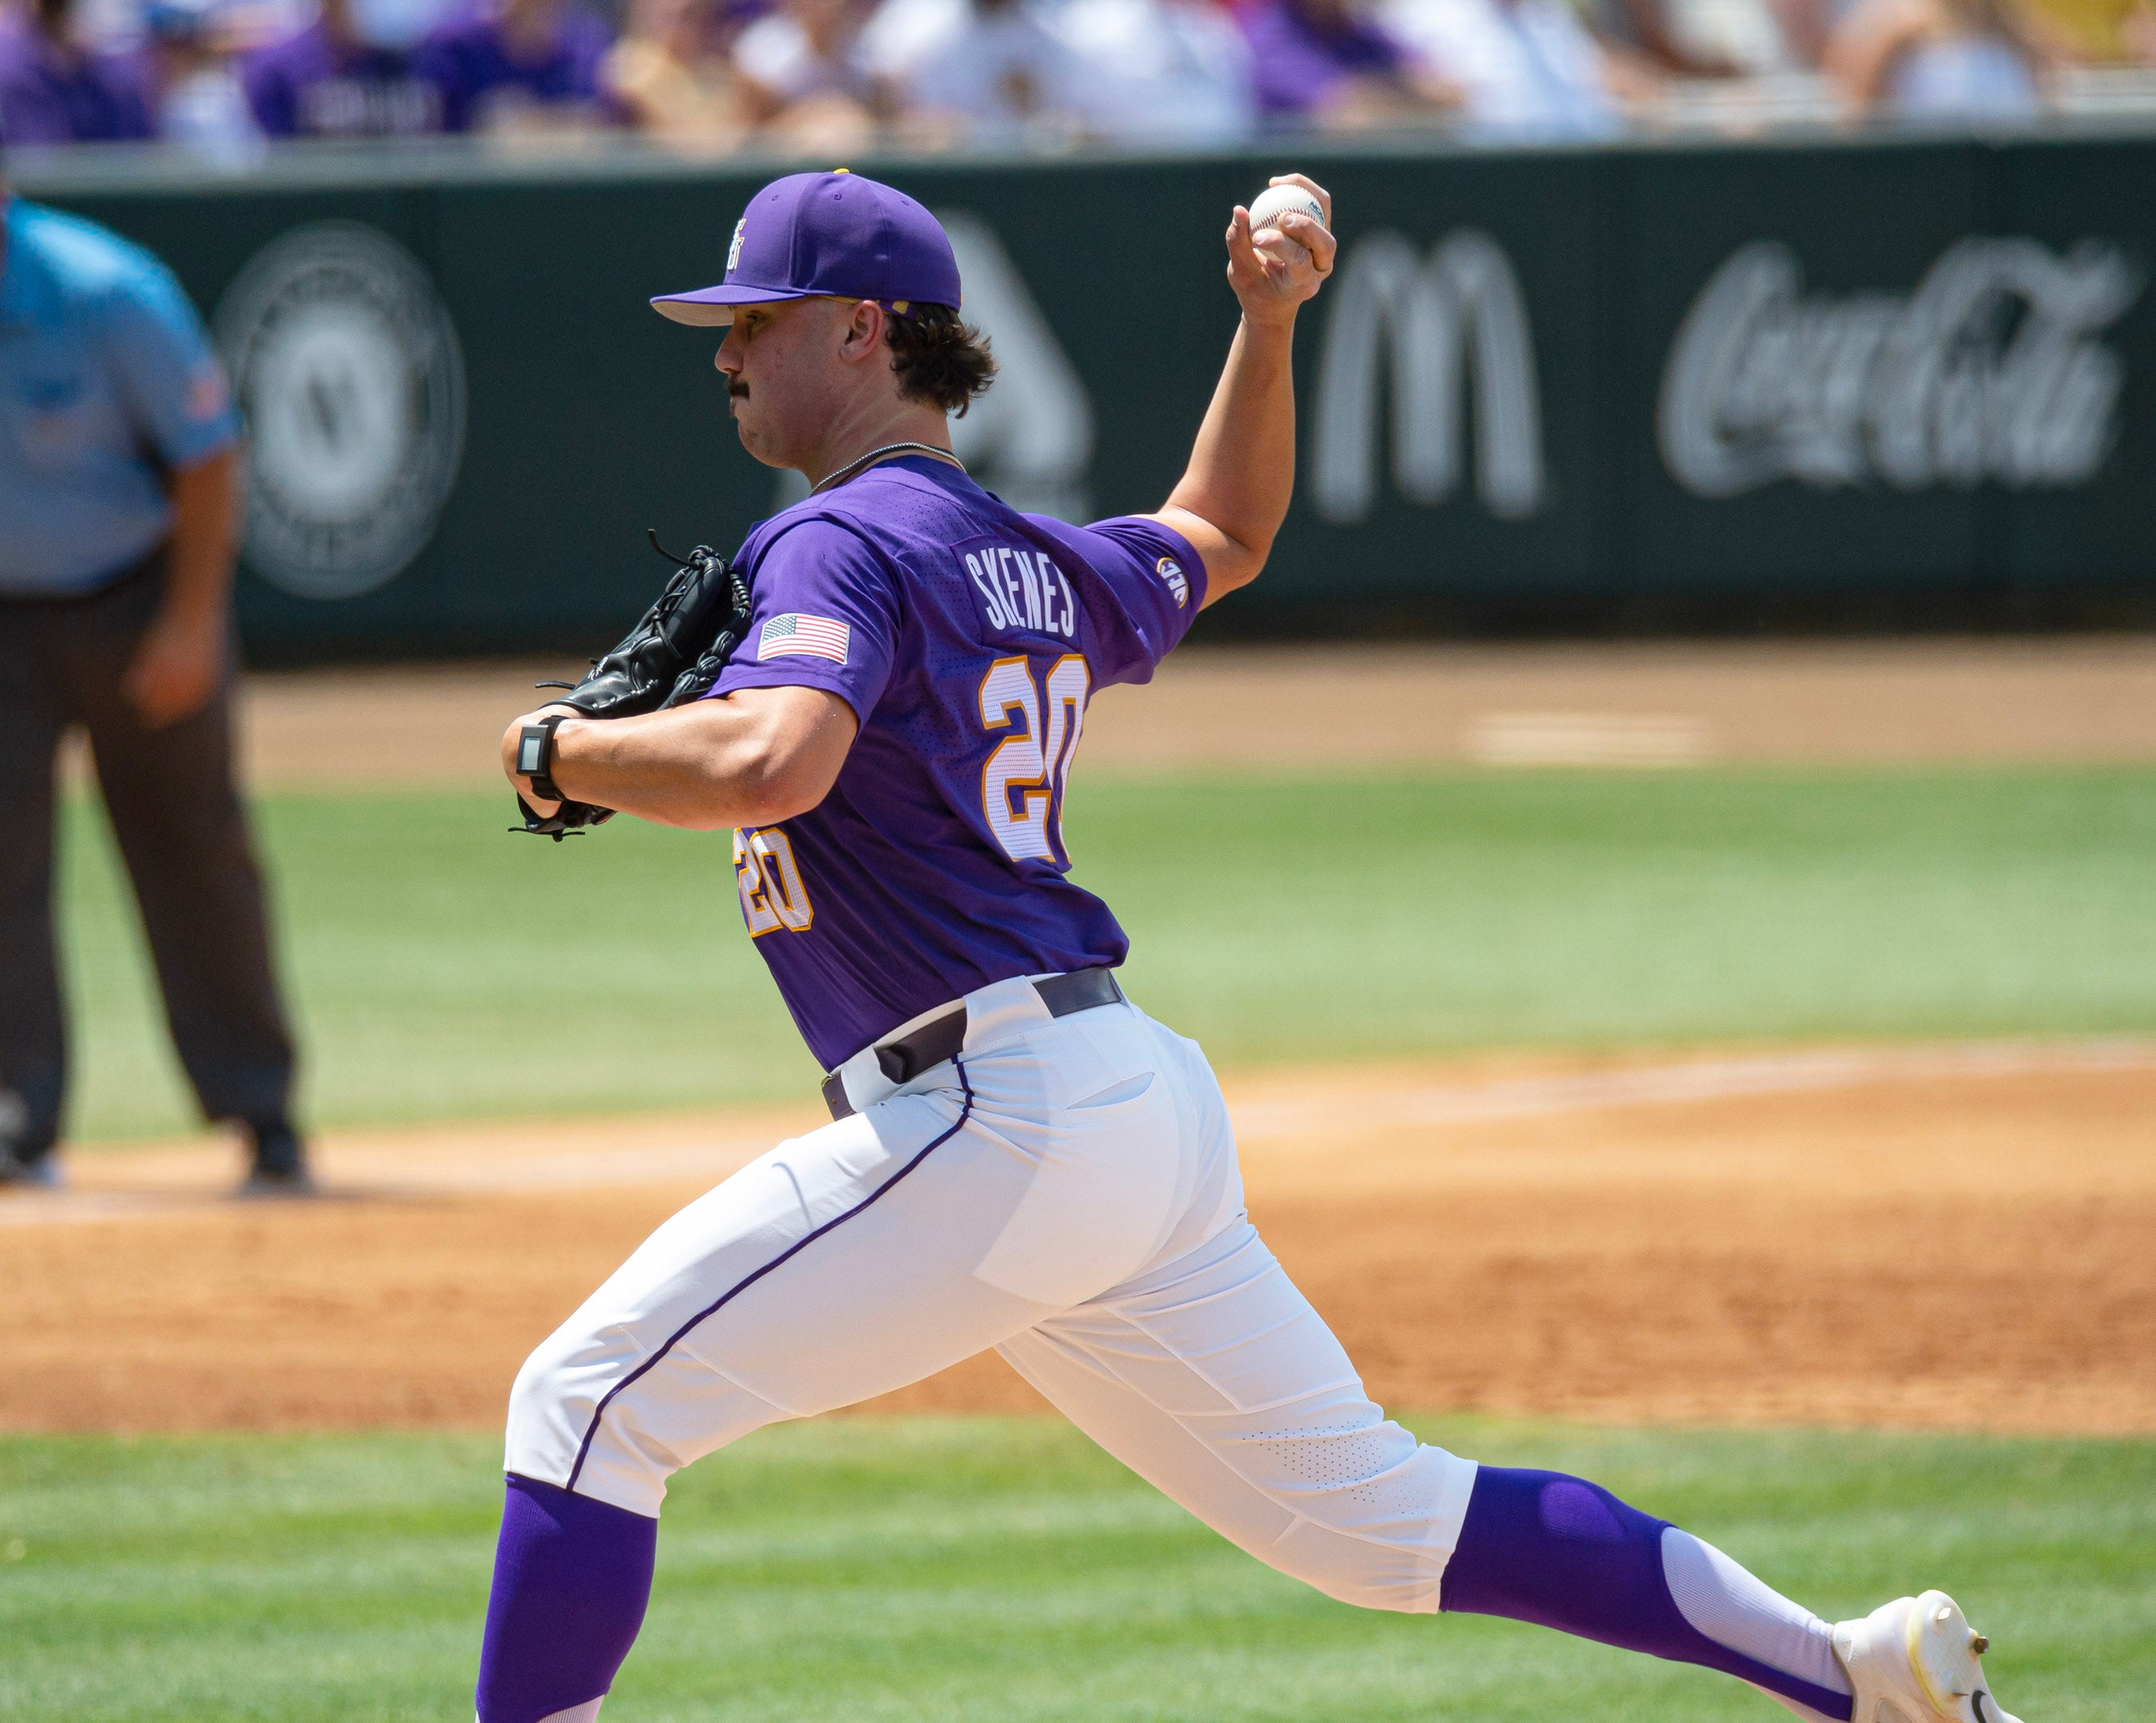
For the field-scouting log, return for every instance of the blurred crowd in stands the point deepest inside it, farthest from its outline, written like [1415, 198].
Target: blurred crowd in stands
[228, 78]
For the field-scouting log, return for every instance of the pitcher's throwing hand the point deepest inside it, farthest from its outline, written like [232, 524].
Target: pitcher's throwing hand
[1276, 264]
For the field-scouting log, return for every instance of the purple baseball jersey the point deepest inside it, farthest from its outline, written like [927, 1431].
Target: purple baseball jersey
[968, 638]
[471, 59]
[50, 97]
[1301, 53]
[316, 83]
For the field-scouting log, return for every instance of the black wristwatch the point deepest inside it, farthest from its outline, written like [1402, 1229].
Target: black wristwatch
[535, 756]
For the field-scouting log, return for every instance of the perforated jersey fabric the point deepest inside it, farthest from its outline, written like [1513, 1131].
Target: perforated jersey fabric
[1364, 1463]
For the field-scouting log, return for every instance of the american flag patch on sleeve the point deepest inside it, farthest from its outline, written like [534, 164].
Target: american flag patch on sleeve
[810, 636]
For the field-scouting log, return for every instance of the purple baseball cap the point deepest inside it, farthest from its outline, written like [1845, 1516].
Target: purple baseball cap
[835, 234]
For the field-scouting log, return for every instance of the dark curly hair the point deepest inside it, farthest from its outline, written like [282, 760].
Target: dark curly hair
[939, 358]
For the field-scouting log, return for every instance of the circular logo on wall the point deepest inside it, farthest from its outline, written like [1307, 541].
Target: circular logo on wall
[348, 367]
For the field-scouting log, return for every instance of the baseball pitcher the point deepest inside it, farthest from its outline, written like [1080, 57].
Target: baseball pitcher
[881, 694]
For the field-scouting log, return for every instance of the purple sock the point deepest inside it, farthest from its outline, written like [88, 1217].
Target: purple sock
[570, 1579]
[1542, 1547]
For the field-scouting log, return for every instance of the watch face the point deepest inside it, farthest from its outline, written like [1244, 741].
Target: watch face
[530, 748]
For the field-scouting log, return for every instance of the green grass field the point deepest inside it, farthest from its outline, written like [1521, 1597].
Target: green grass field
[444, 969]
[1006, 1571]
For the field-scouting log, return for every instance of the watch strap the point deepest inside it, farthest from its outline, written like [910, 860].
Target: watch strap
[535, 756]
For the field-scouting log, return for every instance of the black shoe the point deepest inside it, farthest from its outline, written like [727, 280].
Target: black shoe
[40, 1172]
[278, 1181]
[279, 1167]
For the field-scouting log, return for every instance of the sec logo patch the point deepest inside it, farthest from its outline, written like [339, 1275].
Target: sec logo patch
[1170, 571]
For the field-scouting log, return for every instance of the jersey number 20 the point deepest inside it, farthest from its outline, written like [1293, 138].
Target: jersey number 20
[769, 881]
[1022, 783]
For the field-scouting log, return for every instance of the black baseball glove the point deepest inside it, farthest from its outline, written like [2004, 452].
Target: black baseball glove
[676, 653]
[672, 656]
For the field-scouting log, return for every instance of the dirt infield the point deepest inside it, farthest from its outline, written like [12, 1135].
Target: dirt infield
[1951, 1238]
[1921, 702]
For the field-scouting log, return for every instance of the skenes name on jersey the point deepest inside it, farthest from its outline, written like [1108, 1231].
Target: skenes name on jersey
[1021, 588]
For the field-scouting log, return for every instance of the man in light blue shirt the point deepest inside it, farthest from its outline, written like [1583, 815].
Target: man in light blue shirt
[119, 510]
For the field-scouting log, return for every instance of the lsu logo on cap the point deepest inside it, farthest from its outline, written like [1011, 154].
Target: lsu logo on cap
[733, 251]
[1170, 571]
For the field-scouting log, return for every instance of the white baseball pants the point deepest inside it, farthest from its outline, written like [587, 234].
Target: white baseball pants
[1065, 1191]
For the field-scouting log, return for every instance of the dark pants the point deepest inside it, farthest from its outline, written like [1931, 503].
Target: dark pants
[177, 817]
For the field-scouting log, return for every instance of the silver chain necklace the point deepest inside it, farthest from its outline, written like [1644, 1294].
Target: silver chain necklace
[852, 467]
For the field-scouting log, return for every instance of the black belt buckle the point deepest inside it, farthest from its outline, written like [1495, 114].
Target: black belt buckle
[926, 1048]
[1079, 990]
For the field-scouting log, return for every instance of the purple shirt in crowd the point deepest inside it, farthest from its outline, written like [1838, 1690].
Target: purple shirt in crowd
[316, 84]
[1299, 59]
[468, 60]
[967, 638]
[48, 97]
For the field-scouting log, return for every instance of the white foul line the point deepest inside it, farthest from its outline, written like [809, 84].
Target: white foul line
[1376, 1109]
[1690, 1080]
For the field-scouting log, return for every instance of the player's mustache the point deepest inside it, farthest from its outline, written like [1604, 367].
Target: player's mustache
[736, 390]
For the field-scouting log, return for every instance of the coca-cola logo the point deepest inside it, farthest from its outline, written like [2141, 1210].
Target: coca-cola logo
[1992, 369]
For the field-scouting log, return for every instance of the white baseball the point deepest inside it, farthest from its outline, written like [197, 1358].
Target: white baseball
[1270, 205]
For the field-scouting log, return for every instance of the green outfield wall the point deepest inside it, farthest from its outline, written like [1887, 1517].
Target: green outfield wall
[1646, 371]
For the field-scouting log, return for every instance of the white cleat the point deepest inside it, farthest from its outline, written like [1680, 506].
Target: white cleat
[1914, 1660]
